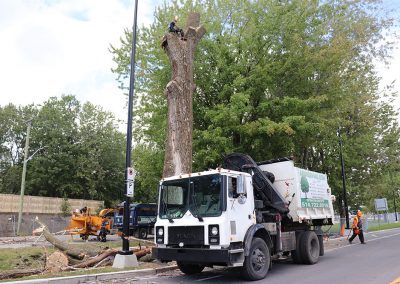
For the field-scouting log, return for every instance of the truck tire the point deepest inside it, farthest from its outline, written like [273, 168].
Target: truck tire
[257, 263]
[321, 245]
[190, 268]
[142, 233]
[309, 247]
[297, 254]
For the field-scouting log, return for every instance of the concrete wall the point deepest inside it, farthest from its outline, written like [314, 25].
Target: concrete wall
[8, 223]
[42, 205]
[48, 209]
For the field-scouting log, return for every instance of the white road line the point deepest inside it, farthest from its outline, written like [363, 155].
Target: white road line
[384, 237]
[208, 278]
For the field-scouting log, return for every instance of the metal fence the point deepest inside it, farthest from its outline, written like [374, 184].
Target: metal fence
[370, 220]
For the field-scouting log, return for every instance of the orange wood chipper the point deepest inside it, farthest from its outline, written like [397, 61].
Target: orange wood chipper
[84, 223]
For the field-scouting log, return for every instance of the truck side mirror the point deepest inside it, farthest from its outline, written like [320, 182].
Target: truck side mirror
[240, 185]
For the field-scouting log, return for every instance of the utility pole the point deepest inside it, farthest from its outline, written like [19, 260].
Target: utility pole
[394, 194]
[26, 159]
[125, 236]
[394, 203]
[346, 209]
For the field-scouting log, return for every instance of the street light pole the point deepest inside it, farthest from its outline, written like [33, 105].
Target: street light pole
[125, 236]
[26, 159]
[394, 193]
[346, 209]
[394, 201]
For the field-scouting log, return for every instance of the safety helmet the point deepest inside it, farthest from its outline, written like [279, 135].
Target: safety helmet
[176, 18]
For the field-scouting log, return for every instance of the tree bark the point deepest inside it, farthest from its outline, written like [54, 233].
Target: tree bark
[19, 273]
[179, 93]
[69, 250]
[92, 261]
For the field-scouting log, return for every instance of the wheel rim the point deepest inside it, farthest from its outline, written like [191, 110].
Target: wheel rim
[314, 248]
[257, 259]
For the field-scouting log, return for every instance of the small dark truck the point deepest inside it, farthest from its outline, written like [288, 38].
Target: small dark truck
[142, 220]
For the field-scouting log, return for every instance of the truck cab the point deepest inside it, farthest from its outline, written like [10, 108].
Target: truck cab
[204, 218]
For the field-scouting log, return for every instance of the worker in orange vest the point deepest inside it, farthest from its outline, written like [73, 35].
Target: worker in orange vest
[357, 228]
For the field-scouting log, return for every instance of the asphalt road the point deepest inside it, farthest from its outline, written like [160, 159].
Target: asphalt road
[376, 262]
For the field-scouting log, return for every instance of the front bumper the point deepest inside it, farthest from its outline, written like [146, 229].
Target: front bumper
[193, 255]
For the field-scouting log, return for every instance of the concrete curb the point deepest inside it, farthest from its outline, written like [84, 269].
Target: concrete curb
[99, 277]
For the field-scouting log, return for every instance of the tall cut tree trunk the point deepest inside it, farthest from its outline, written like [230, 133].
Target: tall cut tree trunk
[179, 93]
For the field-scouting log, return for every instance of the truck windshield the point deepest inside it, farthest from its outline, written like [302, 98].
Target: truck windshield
[202, 195]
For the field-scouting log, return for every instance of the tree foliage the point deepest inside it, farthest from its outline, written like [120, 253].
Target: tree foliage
[81, 152]
[275, 78]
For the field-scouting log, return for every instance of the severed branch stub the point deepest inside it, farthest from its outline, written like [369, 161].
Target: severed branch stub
[179, 93]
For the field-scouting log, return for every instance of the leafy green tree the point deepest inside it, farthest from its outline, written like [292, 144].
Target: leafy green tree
[66, 208]
[13, 127]
[274, 78]
[80, 150]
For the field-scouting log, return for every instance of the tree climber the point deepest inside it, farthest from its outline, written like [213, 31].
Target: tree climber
[172, 28]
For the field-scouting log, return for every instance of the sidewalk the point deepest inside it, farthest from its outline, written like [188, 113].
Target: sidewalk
[99, 277]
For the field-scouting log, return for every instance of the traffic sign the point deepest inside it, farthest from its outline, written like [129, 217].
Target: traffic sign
[381, 204]
[130, 185]
[131, 173]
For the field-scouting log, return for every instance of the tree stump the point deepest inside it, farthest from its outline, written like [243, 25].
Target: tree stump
[179, 93]
[56, 262]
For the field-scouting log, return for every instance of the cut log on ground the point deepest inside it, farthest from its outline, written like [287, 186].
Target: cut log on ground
[147, 258]
[70, 251]
[56, 262]
[93, 261]
[19, 273]
[142, 252]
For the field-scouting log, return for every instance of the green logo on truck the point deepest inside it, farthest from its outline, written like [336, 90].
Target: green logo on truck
[314, 189]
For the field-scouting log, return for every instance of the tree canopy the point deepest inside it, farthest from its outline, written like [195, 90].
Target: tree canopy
[80, 153]
[274, 78]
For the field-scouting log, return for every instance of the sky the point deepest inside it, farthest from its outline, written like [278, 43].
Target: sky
[54, 47]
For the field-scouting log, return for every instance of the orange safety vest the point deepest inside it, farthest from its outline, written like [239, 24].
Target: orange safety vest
[357, 223]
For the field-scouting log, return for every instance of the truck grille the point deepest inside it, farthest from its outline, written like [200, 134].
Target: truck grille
[193, 235]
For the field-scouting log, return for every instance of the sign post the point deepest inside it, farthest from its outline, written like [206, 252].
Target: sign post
[125, 235]
[380, 205]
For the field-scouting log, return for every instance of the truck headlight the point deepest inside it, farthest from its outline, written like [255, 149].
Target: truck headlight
[213, 234]
[159, 235]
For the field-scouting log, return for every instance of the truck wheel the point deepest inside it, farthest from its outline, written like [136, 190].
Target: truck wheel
[310, 247]
[142, 233]
[321, 245]
[257, 263]
[297, 254]
[190, 268]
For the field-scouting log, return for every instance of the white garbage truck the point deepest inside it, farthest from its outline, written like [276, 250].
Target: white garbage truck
[245, 214]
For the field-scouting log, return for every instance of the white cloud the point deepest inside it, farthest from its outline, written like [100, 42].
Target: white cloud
[50, 48]
[55, 47]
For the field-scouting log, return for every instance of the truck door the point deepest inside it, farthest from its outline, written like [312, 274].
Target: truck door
[240, 206]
